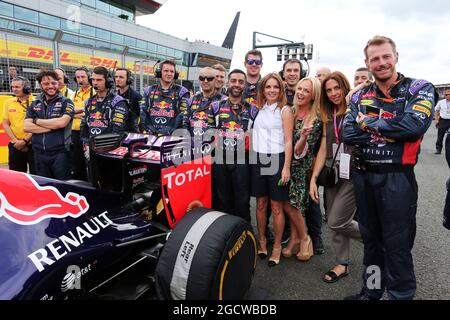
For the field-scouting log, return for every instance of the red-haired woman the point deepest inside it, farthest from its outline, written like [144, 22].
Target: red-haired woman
[272, 142]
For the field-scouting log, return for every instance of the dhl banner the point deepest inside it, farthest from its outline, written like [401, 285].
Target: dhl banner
[4, 139]
[37, 53]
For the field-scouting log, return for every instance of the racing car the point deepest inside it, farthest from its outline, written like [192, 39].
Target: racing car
[142, 228]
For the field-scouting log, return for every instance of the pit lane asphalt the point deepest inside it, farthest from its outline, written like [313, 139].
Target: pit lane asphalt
[294, 280]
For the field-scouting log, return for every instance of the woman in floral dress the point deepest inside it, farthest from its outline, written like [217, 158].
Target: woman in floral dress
[307, 131]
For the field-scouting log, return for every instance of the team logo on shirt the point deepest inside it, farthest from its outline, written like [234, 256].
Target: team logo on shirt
[426, 104]
[422, 109]
[200, 115]
[162, 105]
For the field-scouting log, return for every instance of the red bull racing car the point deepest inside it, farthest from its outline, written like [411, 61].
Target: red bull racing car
[127, 234]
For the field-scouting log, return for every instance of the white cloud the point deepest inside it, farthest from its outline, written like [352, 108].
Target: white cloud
[339, 29]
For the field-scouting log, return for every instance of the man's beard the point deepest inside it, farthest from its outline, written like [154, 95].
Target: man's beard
[235, 93]
[50, 95]
[385, 78]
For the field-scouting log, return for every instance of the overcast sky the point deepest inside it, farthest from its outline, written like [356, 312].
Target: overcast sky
[339, 30]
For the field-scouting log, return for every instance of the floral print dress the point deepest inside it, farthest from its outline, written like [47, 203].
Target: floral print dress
[300, 168]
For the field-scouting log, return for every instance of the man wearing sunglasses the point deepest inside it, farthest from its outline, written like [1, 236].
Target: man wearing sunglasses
[253, 63]
[442, 119]
[196, 118]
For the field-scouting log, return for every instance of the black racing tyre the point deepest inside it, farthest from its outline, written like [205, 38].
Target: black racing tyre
[209, 255]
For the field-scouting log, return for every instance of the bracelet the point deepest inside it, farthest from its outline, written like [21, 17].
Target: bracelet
[34, 121]
[25, 140]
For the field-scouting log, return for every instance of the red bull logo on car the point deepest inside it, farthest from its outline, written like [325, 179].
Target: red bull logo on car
[41, 202]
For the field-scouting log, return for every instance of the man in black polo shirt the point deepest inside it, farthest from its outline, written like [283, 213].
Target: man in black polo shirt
[49, 119]
[124, 80]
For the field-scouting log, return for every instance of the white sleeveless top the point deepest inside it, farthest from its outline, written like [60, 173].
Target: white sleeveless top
[268, 135]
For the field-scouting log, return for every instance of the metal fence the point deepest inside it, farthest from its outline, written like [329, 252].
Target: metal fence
[31, 48]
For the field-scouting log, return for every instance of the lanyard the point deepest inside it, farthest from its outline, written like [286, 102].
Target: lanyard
[337, 128]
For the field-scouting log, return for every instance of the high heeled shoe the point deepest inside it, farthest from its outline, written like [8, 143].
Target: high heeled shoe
[262, 250]
[306, 250]
[275, 257]
[291, 249]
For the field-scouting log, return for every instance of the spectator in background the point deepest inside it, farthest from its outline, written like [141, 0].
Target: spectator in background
[124, 80]
[189, 86]
[442, 119]
[221, 74]
[21, 157]
[362, 75]
[49, 118]
[12, 74]
[322, 73]
[37, 88]
[292, 71]
[63, 81]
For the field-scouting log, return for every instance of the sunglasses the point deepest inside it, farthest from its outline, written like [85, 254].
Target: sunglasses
[209, 79]
[254, 61]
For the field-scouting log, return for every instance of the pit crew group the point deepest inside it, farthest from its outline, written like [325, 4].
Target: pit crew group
[278, 138]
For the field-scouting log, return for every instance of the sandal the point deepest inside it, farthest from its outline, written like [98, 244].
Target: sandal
[334, 276]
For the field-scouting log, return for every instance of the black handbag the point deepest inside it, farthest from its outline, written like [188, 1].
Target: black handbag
[328, 175]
